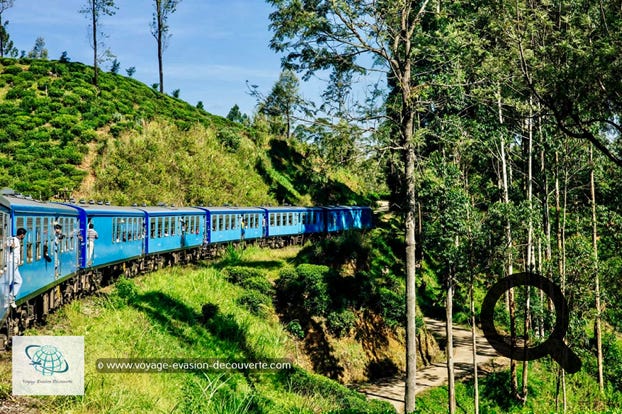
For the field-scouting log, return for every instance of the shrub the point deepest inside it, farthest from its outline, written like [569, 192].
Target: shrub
[260, 284]
[13, 70]
[27, 76]
[19, 92]
[257, 303]
[306, 288]
[229, 138]
[341, 323]
[64, 121]
[126, 289]
[237, 274]
[295, 329]
[313, 279]
[392, 307]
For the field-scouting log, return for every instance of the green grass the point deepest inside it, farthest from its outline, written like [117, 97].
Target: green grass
[582, 394]
[160, 315]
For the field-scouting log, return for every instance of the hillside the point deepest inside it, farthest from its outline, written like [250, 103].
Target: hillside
[124, 142]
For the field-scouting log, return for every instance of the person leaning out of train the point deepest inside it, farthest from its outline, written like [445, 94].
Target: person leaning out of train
[14, 282]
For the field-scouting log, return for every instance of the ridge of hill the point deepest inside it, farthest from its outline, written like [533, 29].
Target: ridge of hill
[122, 141]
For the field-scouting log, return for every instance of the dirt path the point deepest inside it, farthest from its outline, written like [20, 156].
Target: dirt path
[435, 375]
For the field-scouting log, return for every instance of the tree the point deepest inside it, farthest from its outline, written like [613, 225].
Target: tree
[130, 71]
[160, 30]
[282, 104]
[64, 57]
[38, 51]
[114, 67]
[330, 35]
[93, 10]
[6, 45]
[235, 115]
[571, 60]
[176, 93]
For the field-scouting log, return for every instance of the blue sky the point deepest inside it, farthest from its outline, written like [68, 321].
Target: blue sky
[216, 45]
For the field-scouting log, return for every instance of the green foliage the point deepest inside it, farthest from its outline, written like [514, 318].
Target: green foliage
[126, 290]
[304, 288]
[341, 323]
[230, 139]
[239, 274]
[295, 329]
[13, 69]
[256, 302]
[312, 384]
[259, 284]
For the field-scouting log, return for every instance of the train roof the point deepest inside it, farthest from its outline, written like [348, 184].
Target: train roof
[164, 211]
[23, 204]
[345, 207]
[291, 208]
[236, 210]
[107, 210]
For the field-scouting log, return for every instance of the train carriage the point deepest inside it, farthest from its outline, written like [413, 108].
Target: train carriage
[48, 257]
[120, 231]
[169, 228]
[340, 218]
[228, 224]
[287, 221]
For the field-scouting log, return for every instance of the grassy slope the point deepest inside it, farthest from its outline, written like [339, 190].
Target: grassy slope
[159, 315]
[124, 142]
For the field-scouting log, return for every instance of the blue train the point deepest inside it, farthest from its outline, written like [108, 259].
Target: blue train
[61, 258]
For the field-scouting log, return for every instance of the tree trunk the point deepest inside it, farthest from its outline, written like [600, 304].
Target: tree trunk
[160, 69]
[451, 387]
[597, 330]
[94, 23]
[529, 252]
[474, 347]
[509, 260]
[409, 222]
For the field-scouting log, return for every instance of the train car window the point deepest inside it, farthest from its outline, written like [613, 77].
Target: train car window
[46, 234]
[271, 219]
[174, 225]
[28, 239]
[38, 229]
[214, 222]
[197, 224]
[227, 221]
[152, 228]
[129, 229]
[71, 234]
[114, 230]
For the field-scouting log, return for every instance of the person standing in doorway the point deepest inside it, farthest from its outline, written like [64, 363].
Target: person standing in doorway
[91, 236]
[15, 260]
